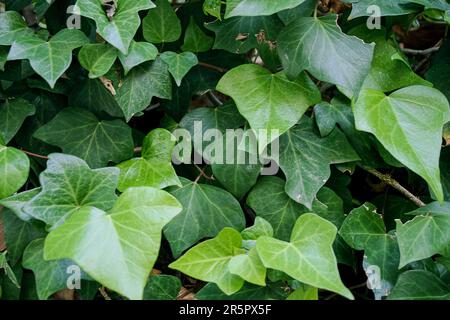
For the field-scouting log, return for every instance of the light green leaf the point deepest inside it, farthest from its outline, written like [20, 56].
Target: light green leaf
[12, 27]
[323, 36]
[425, 235]
[138, 53]
[144, 82]
[17, 202]
[260, 228]
[69, 184]
[240, 34]
[195, 40]
[80, 133]
[117, 249]
[12, 115]
[120, 30]
[411, 129]
[420, 285]
[209, 261]
[304, 292]
[258, 7]
[154, 168]
[179, 64]
[360, 8]
[305, 159]
[308, 257]
[269, 101]
[97, 58]
[162, 287]
[49, 59]
[249, 267]
[14, 169]
[161, 24]
[51, 276]
[361, 225]
[206, 211]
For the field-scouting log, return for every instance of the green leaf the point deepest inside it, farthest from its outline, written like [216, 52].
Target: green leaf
[324, 37]
[3, 57]
[411, 129]
[51, 276]
[439, 68]
[18, 234]
[117, 249]
[258, 7]
[209, 261]
[247, 292]
[261, 228]
[161, 24]
[138, 53]
[69, 184]
[308, 257]
[12, 115]
[213, 7]
[144, 82]
[195, 40]
[206, 211]
[305, 159]
[304, 292]
[361, 225]
[179, 64]
[120, 30]
[425, 235]
[420, 285]
[49, 59]
[80, 133]
[154, 168]
[97, 58]
[12, 27]
[14, 168]
[249, 267]
[269, 101]
[17, 202]
[162, 287]
[240, 34]
[360, 8]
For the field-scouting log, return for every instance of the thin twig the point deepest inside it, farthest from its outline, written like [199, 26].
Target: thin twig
[202, 174]
[215, 99]
[104, 293]
[396, 185]
[421, 52]
[212, 67]
[35, 155]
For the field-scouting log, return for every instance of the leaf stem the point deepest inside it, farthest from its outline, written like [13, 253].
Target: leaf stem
[396, 185]
[104, 293]
[316, 8]
[35, 155]
[212, 67]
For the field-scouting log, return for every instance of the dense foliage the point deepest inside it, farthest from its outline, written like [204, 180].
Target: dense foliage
[99, 201]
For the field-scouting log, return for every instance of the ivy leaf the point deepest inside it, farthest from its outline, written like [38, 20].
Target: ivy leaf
[195, 40]
[304, 292]
[240, 34]
[12, 115]
[206, 211]
[361, 225]
[269, 101]
[154, 168]
[49, 59]
[305, 159]
[51, 276]
[425, 235]
[249, 267]
[308, 257]
[209, 261]
[360, 8]
[260, 228]
[67, 185]
[257, 7]
[17, 202]
[247, 292]
[123, 26]
[3, 57]
[14, 168]
[19, 234]
[161, 24]
[144, 82]
[138, 53]
[12, 27]
[162, 287]
[411, 129]
[179, 64]
[324, 37]
[97, 58]
[80, 133]
[116, 249]
[420, 285]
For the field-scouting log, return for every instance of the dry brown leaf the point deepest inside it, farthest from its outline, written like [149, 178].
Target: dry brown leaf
[65, 294]
[109, 85]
